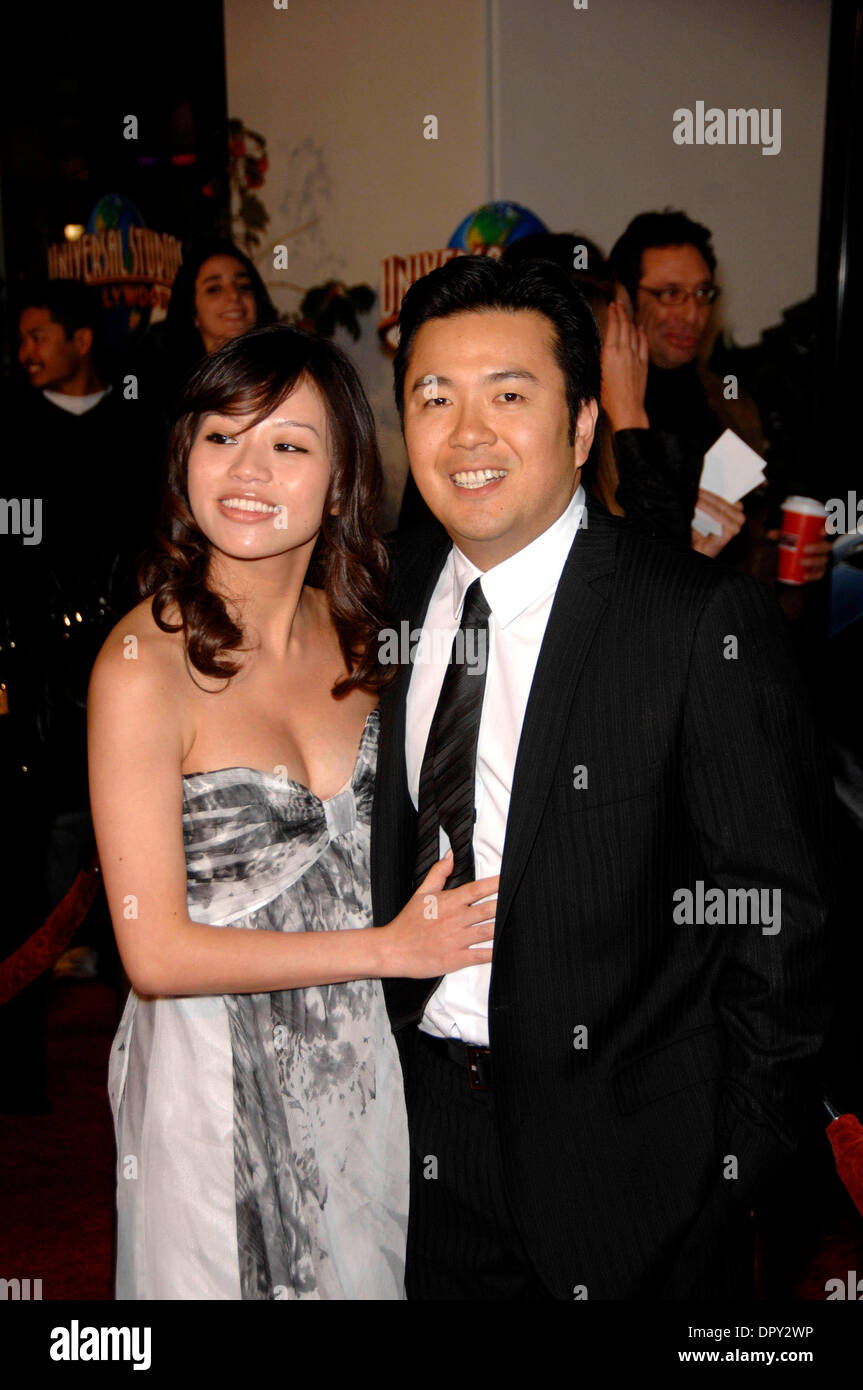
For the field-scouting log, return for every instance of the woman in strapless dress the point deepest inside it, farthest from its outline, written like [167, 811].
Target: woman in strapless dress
[255, 1085]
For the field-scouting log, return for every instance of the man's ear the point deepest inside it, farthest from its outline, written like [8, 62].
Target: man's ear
[585, 428]
[83, 340]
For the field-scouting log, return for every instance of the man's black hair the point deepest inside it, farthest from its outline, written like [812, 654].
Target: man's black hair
[475, 284]
[69, 302]
[652, 229]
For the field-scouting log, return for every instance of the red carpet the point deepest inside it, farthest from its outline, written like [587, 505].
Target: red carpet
[56, 1196]
[57, 1184]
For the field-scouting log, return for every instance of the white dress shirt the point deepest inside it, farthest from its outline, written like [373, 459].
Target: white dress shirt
[520, 592]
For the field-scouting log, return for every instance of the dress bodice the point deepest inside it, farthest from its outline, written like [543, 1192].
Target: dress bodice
[249, 835]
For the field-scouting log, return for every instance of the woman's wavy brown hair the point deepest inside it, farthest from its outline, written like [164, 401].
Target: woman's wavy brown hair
[252, 374]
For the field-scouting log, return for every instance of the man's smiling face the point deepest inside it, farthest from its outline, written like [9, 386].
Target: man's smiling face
[674, 332]
[487, 429]
[50, 358]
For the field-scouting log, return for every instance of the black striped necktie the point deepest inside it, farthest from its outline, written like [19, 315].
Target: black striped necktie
[447, 777]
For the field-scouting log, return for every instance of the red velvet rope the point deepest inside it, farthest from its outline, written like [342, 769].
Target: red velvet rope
[45, 947]
[846, 1139]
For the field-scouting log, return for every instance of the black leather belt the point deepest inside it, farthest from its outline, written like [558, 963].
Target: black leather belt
[475, 1060]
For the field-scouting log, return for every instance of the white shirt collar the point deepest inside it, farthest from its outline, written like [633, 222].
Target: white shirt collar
[76, 405]
[513, 585]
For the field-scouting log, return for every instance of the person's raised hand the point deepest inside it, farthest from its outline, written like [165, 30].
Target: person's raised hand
[730, 516]
[625, 360]
[437, 928]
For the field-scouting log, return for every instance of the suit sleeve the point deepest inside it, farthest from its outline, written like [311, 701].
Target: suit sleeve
[658, 484]
[759, 801]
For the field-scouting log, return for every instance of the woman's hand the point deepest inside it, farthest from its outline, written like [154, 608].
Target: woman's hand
[730, 516]
[435, 931]
[625, 360]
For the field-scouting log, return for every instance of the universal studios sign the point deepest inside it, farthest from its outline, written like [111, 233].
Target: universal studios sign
[398, 273]
[131, 266]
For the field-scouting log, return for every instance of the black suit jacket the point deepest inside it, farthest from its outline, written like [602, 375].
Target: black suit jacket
[701, 765]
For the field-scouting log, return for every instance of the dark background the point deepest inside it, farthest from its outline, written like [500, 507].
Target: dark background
[70, 75]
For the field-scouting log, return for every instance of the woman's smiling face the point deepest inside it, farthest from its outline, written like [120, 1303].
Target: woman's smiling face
[259, 490]
[224, 301]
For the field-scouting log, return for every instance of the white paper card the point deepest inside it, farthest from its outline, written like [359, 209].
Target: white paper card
[731, 469]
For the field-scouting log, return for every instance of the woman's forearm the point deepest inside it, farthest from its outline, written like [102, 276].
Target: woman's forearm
[194, 958]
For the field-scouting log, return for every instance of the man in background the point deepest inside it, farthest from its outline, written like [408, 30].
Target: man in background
[78, 479]
[667, 264]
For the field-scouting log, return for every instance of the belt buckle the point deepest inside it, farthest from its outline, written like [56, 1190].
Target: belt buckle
[473, 1054]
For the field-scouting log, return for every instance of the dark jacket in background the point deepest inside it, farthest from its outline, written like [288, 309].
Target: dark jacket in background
[97, 476]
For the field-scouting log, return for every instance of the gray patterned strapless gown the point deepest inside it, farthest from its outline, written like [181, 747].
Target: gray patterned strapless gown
[262, 1148]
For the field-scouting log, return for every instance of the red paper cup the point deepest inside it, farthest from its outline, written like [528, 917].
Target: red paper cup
[802, 524]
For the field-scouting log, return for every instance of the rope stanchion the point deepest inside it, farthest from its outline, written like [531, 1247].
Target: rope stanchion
[46, 945]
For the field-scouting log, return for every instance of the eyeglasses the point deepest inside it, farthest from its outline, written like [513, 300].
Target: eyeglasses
[675, 294]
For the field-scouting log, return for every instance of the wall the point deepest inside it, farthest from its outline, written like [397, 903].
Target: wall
[340, 90]
[583, 128]
[566, 110]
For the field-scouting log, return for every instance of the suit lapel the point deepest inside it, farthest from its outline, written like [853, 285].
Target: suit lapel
[392, 843]
[417, 608]
[575, 614]
[576, 611]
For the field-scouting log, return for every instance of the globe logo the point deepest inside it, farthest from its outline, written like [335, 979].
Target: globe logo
[493, 226]
[118, 214]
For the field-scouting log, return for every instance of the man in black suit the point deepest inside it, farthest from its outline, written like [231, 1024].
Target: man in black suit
[619, 733]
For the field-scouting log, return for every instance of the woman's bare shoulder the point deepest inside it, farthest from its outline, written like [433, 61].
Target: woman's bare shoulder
[137, 653]
[137, 698]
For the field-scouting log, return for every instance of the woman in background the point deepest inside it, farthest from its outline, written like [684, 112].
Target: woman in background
[217, 294]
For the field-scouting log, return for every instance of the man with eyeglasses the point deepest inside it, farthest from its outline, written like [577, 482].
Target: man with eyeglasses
[667, 264]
